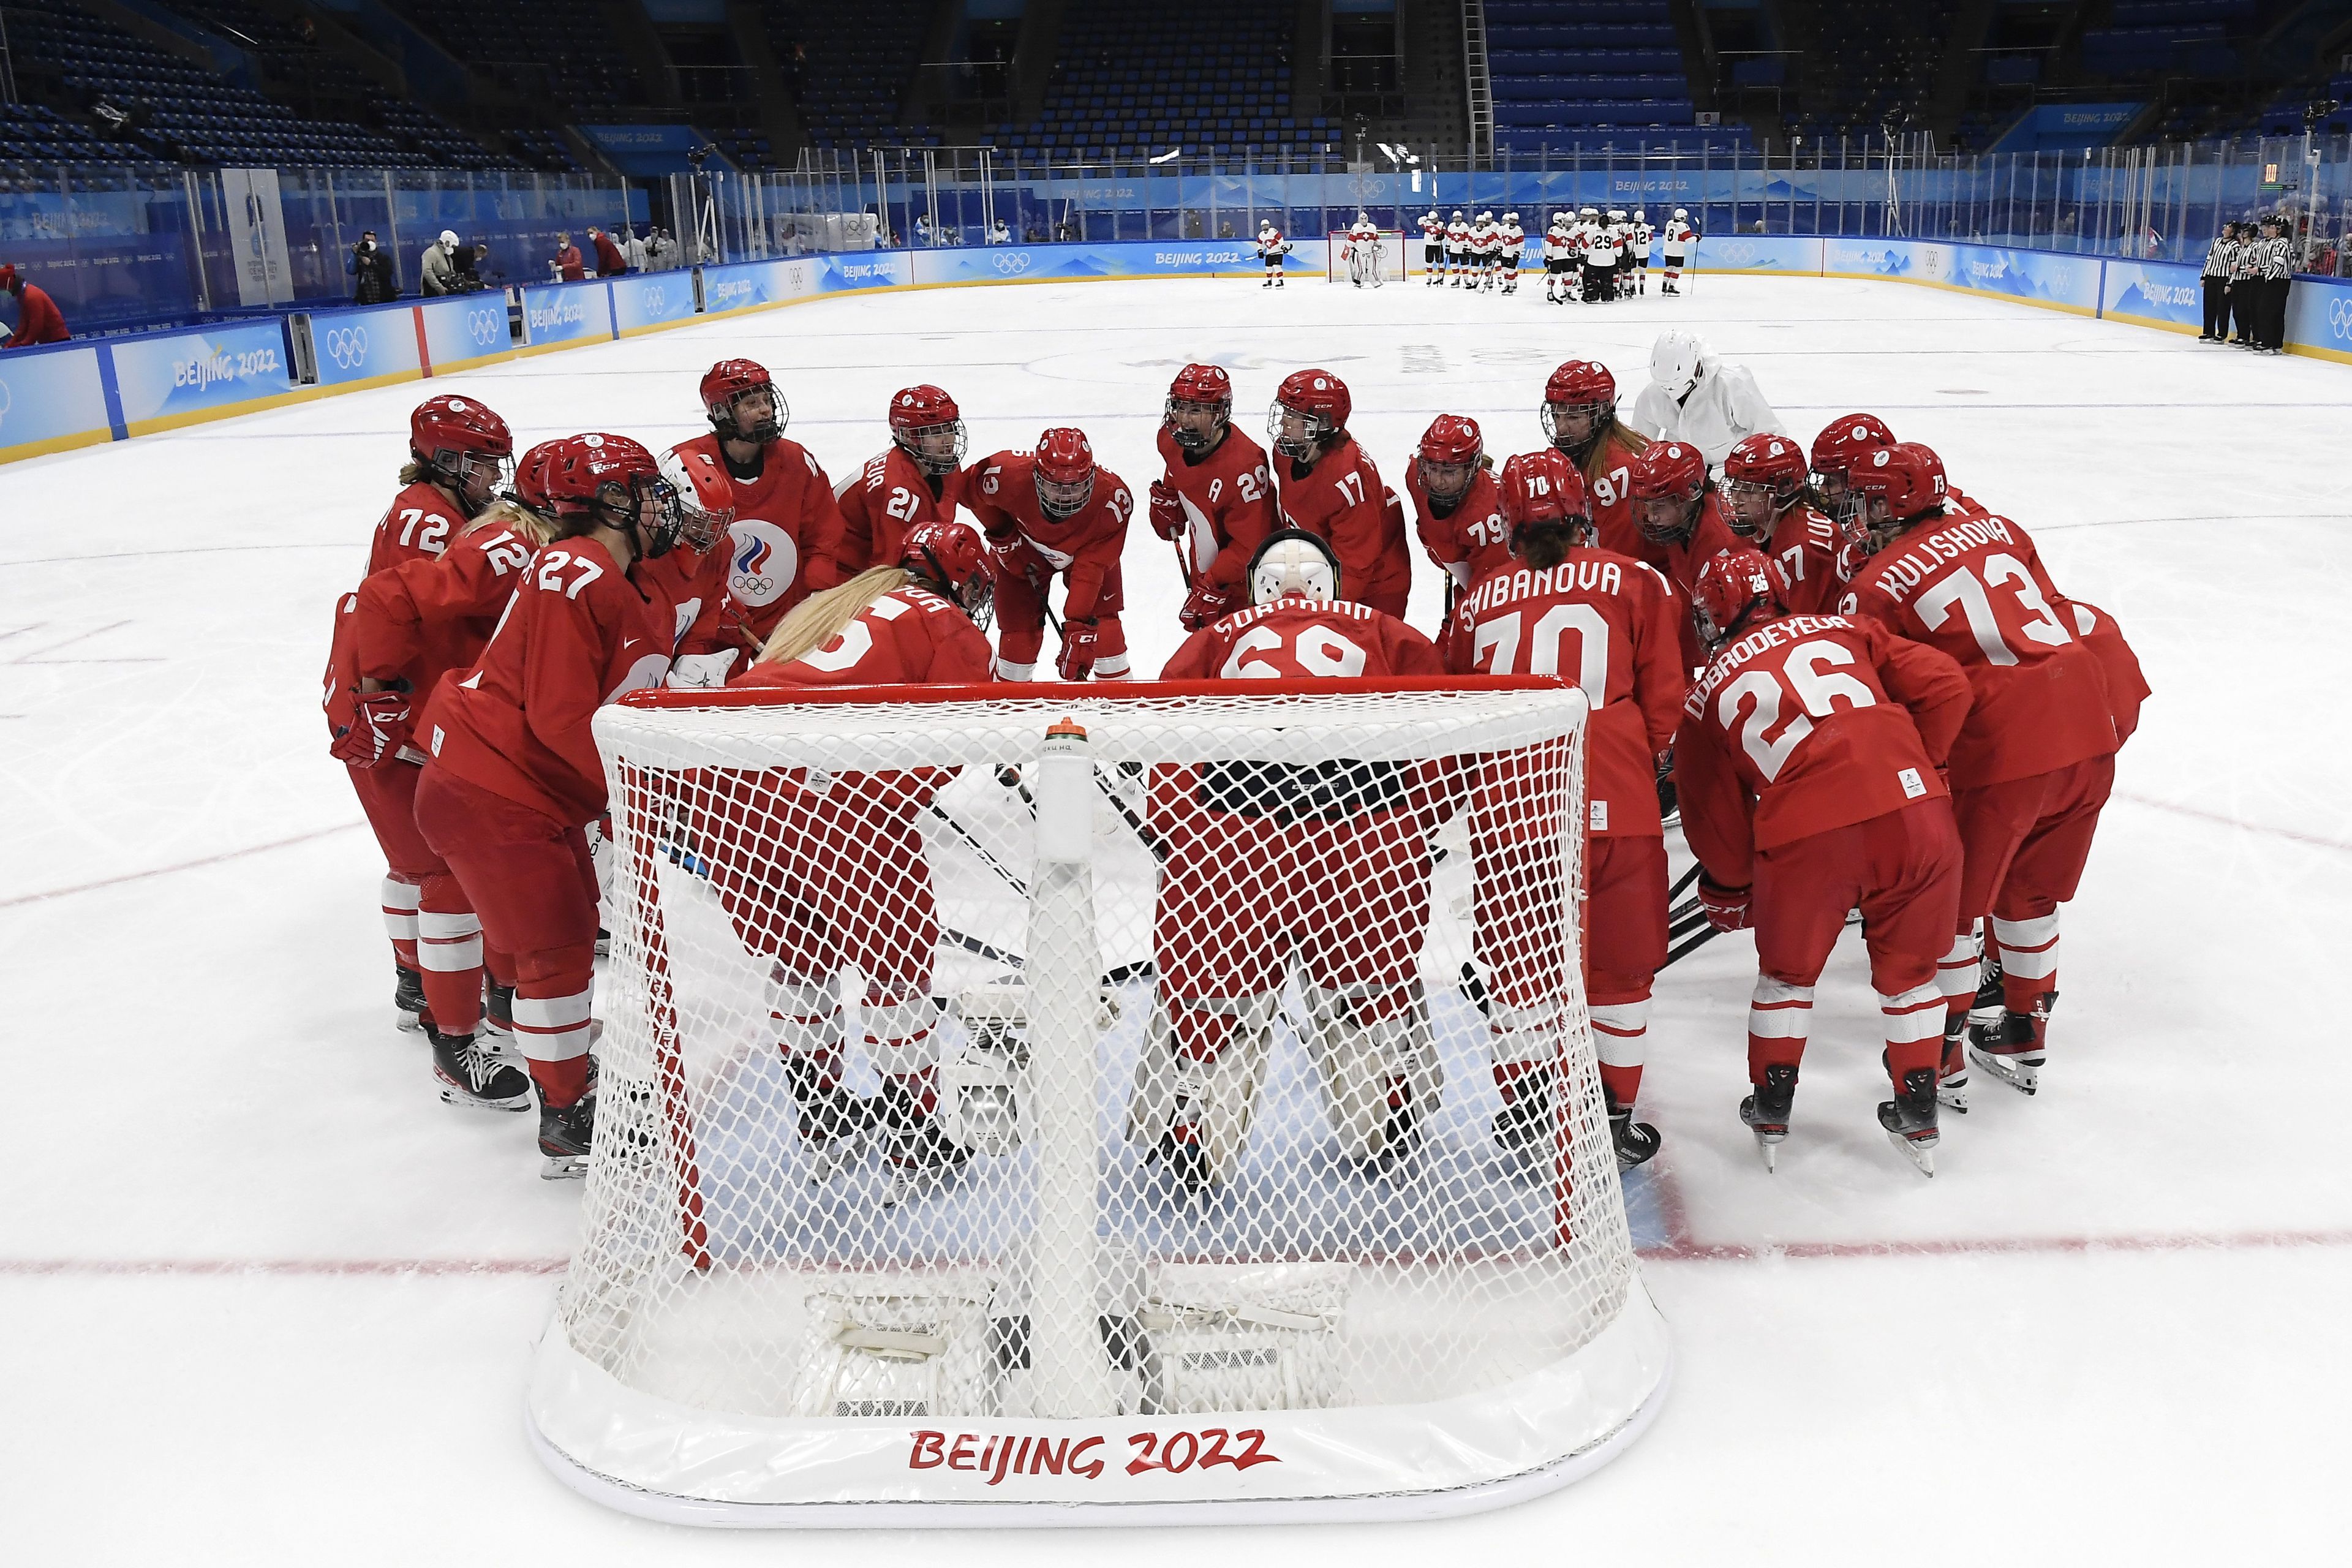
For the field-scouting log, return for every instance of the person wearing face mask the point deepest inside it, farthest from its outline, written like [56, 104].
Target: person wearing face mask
[369, 266]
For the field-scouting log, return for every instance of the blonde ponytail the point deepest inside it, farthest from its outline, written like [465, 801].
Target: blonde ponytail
[819, 619]
[515, 518]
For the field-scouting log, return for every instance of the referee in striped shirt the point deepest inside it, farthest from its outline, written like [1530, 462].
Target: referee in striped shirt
[2273, 256]
[2218, 262]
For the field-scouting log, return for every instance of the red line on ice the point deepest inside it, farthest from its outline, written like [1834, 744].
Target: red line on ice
[2214, 816]
[167, 870]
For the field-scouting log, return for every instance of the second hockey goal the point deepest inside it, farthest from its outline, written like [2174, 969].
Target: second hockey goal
[1391, 256]
[1092, 1101]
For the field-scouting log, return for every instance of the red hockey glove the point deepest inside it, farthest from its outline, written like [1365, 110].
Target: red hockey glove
[1167, 511]
[1078, 660]
[379, 728]
[1207, 605]
[1725, 908]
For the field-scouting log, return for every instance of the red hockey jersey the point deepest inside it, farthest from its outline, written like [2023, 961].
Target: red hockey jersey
[909, 635]
[2127, 685]
[578, 632]
[1003, 495]
[1611, 626]
[1471, 541]
[431, 615]
[1973, 588]
[884, 501]
[1804, 556]
[1297, 638]
[1340, 498]
[785, 521]
[419, 524]
[1807, 723]
[1228, 500]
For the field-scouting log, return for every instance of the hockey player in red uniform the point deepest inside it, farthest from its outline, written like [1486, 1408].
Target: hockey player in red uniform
[1048, 512]
[514, 775]
[1680, 519]
[1844, 441]
[1456, 510]
[2035, 765]
[1215, 500]
[775, 500]
[1270, 866]
[1562, 606]
[458, 452]
[918, 479]
[408, 627]
[1580, 418]
[817, 879]
[1327, 485]
[1809, 763]
[1768, 503]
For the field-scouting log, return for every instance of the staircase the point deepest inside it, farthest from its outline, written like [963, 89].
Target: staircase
[1477, 80]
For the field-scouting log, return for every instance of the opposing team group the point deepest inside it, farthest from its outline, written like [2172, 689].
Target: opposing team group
[1587, 257]
[1864, 685]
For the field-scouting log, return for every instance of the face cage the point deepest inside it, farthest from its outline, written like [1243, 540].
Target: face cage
[1062, 500]
[1844, 509]
[472, 475]
[1193, 440]
[729, 428]
[977, 597]
[1303, 448]
[623, 508]
[910, 441]
[1732, 489]
[1600, 413]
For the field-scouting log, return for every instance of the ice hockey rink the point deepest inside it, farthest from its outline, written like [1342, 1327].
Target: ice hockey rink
[266, 1299]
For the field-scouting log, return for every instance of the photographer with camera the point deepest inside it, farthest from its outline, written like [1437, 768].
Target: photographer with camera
[369, 267]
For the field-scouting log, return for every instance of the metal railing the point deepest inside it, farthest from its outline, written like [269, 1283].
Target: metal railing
[1477, 78]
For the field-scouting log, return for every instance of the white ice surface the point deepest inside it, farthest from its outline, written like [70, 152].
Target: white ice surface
[263, 1298]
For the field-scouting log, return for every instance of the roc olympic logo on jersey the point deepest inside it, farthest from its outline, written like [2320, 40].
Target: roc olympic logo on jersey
[1011, 263]
[764, 563]
[347, 346]
[2339, 319]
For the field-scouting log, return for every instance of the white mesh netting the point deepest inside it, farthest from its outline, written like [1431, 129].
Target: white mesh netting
[956, 1069]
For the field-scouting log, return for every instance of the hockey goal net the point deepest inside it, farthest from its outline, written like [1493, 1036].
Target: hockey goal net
[1391, 256]
[1085, 1097]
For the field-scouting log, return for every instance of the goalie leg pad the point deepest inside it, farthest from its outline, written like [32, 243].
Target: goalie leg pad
[806, 1012]
[1376, 1058]
[1205, 1099]
[899, 1034]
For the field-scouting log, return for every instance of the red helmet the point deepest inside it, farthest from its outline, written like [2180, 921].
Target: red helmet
[929, 427]
[464, 446]
[1733, 588]
[1318, 395]
[1670, 471]
[1907, 476]
[1844, 439]
[1064, 472]
[954, 557]
[1451, 441]
[530, 478]
[1761, 463]
[1584, 385]
[1544, 487]
[607, 479]
[731, 379]
[1205, 385]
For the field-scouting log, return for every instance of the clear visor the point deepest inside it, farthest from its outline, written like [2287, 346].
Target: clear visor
[1446, 481]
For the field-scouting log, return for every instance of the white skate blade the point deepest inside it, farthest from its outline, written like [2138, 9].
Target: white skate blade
[1920, 1155]
[911, 1183]
[562, 1167]
[829, 1161]
[1770, 1149]
[406, 1022]
[1953, 1097]
[466, 1100]
[2022, 1074]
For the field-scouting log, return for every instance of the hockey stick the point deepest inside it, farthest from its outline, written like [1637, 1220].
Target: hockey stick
[1134, 819]
[1004, 872]
[1692, 945]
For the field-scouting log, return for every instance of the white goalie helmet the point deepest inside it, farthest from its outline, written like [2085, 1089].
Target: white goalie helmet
[1675, 362]
[1292, 561]
[1363, 216]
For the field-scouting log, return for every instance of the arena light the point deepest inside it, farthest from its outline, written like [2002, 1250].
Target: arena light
[1173, 153]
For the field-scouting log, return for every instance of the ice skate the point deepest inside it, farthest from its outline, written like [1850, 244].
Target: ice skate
[1766, 1111]
[1987, 1006]
[2013, 1050]
[566, 1134]
[1910, 1118]
[1523, 1128]
[917, 1152]
[835, 1124]
[475, 1078]
[408, 998]
[1952, 1078]
[497, 1012]
[1635, 1141]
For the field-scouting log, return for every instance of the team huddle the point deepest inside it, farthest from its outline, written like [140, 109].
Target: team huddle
[1857, 688]
[1587, 258]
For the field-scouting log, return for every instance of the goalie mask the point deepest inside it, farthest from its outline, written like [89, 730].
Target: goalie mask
[1294, 561]
[1762, 476]
[464, 447]
[1199, 405]
[926, 425]
[741, 399]
[1447, 459]
[611, 481]
[1064, 472]
[1310, 408]
[701, 524]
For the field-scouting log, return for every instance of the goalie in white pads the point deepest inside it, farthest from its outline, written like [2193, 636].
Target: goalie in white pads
[819, 874]
[1274, 866]
[1364, 251]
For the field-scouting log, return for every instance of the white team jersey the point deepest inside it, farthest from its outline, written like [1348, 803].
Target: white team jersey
[1515, 239]
[1271, 244]
[1432, 231]
[1679, 237]
[1598, 251]
[1725, 408]
[1559, 245]
[1457, 236]
[1364, 231]
[1484, 239]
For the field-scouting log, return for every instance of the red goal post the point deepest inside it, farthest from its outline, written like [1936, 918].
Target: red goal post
[1394, 256]
[1071, 907]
